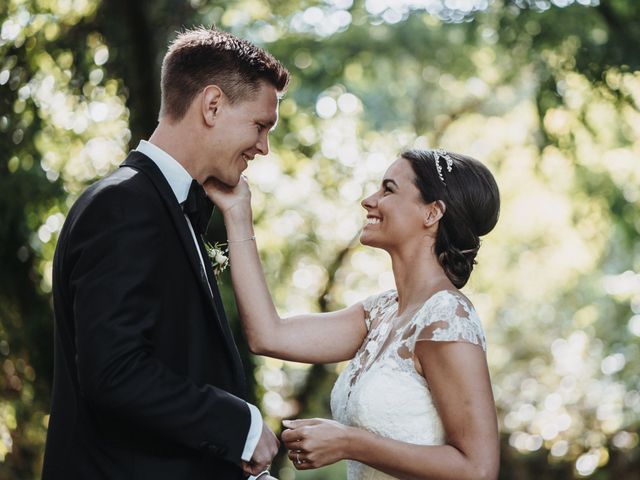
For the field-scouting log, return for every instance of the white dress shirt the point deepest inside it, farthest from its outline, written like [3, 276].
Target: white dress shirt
[180, 181]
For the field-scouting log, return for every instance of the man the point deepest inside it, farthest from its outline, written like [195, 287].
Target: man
[148, 382]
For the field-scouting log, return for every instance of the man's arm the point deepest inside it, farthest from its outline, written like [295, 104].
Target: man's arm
[113, 266]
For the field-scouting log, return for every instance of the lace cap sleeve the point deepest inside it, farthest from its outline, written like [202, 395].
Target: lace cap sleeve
[449, 317]
[373, 304]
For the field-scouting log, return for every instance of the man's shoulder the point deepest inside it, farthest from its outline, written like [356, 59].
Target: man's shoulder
[123, 183]
[123, 189]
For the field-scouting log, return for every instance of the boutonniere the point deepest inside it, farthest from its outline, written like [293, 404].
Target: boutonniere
[218, 255]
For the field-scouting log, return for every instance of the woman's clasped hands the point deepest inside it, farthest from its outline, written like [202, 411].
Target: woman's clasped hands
[315, 442]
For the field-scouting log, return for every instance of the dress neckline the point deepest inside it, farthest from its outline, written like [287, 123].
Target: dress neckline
[452, 292]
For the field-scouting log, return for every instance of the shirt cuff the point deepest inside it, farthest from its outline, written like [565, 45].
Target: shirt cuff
[255, 431]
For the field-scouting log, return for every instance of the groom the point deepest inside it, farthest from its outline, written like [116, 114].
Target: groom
[148, 382]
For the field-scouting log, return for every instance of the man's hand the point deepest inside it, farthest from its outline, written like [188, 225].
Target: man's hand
[265, 451]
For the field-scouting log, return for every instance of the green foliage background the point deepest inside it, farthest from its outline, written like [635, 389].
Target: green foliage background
[547, 93]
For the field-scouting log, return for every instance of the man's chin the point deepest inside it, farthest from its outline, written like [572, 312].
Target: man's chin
[227, 181]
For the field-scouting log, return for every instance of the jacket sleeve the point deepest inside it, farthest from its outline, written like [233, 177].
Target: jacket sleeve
[112, 265]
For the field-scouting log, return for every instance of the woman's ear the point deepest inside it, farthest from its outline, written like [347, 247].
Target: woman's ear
[212, 97]
[435, 211]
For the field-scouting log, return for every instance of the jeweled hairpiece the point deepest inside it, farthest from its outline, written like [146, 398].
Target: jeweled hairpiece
[441, 153]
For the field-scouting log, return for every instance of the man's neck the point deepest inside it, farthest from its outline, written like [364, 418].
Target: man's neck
[175, 140]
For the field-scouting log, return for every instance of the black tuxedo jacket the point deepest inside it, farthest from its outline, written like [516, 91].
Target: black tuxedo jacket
[148, 382]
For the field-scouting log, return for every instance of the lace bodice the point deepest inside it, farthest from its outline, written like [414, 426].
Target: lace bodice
[380, 390]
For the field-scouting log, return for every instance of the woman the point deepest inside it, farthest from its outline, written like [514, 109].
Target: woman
[415, 401]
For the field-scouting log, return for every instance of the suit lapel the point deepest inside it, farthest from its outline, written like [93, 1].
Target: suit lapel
[224, 324]
[143, 164]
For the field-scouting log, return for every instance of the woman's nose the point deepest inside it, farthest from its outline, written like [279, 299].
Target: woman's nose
[369, 202]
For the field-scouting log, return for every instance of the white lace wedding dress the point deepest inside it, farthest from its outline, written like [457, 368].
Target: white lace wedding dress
[380, 390]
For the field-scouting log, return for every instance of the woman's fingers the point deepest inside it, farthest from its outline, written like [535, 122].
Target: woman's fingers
[298, 430]
[302, 422]
[300, 460]
[294, 443]
[299, 438]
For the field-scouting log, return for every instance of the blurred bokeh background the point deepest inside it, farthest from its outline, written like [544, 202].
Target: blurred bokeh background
[546, 92]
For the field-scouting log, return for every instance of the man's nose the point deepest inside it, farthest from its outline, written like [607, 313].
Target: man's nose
[263, 145]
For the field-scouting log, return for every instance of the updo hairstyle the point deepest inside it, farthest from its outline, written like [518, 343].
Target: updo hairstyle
[472, 206]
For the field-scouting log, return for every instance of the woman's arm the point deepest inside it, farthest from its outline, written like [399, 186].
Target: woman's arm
[459, 382]
[311, 338]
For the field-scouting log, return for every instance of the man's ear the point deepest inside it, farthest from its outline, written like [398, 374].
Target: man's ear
[434, 212]
[212, 97]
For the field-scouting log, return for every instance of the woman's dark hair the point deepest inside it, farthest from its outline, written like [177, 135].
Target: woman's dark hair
[472, 205]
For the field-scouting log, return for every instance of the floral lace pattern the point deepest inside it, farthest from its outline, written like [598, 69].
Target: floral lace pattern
[380, 389]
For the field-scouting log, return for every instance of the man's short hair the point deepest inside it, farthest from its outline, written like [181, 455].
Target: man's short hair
[202, 56]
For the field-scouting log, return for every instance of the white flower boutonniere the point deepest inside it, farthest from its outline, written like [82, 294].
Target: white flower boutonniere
[218, 255]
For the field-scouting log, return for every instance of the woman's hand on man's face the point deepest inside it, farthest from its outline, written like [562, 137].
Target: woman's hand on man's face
[229, 198]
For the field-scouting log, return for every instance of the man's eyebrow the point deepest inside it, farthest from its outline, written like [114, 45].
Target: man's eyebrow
[387, 181]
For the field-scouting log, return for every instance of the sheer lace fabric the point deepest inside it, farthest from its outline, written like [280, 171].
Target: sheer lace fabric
[380, 390]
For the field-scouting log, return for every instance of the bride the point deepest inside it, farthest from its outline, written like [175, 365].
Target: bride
[415, 400]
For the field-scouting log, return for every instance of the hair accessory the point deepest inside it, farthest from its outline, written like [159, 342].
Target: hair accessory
[441, 153]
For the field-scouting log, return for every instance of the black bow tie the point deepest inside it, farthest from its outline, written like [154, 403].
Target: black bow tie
[198, 207]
